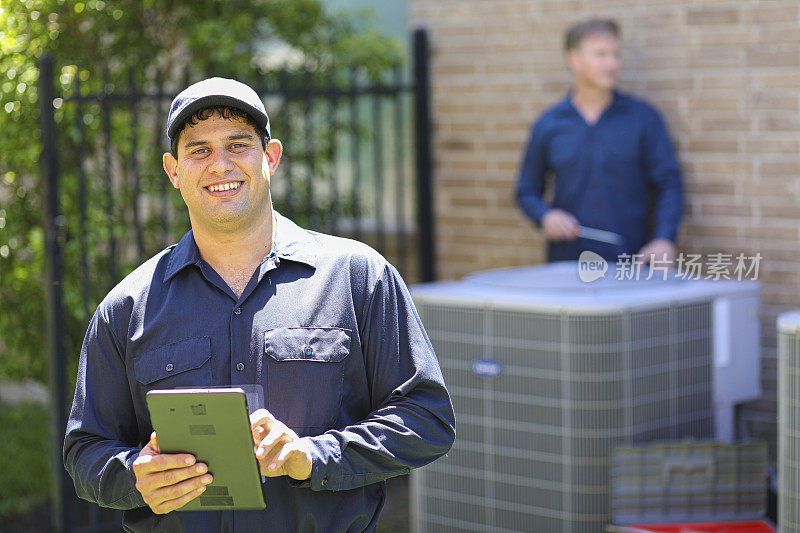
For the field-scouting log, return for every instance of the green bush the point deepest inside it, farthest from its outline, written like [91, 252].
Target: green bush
[113, 45]
[25, 454]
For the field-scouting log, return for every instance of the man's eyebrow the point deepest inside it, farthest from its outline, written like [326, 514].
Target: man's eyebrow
[240, 136]
[192, 144]
[234, 137]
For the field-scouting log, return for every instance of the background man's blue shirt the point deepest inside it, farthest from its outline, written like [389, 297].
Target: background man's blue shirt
[369, 395]
[619, 174]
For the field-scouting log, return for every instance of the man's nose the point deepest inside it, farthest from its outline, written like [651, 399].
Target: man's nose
[220, 162]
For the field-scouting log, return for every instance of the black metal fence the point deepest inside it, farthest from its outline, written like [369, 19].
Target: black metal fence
[357, 163]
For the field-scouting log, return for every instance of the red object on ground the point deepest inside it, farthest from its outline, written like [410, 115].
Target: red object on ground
[750, 526]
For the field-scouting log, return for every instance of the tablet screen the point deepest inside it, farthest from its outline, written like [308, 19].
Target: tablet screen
[214, 426]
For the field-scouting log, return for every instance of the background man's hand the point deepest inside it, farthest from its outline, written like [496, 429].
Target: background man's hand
[558, 225]
[660, 250]
[168, 481]
[278, 449]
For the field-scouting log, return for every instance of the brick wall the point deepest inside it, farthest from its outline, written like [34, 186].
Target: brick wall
[725, 75]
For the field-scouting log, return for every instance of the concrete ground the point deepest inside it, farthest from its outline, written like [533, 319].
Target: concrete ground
[16, 393]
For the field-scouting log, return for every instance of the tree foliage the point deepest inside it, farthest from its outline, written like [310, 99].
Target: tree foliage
[116, 45]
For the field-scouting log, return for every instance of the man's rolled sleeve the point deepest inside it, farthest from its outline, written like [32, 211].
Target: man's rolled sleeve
[665, 175]
[530, 183]
[325, 460]
[412, 421]
[102, 426]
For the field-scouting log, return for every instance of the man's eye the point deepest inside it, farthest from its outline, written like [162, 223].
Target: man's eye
[200, 151]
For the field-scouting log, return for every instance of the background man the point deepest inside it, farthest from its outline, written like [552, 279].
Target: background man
[353, 391]
[611, 159]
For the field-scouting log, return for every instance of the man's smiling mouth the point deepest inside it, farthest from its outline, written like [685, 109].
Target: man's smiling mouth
[224, 186]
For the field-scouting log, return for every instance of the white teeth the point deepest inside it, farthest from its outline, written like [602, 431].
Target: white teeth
[224, 187]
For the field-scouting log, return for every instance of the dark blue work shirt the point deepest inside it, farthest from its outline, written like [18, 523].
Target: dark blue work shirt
[368, 394]
[611, 175]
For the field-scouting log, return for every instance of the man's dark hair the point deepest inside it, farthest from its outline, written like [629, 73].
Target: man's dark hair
[228, 113]
[577, 32]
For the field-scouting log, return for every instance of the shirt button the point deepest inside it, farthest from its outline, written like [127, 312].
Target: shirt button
[239, 366]
[308, 350]
[169, 367]
[237, 311]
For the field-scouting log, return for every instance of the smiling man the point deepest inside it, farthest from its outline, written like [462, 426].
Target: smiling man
[353, 391]
[611, 160]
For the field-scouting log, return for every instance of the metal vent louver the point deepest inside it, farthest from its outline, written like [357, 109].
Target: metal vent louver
[789, 422]
[544, 389]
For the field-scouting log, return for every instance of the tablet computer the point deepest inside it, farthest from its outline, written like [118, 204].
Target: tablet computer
[214, 426]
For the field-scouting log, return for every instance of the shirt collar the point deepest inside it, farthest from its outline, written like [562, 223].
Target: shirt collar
[289, 241]
[567, 101]
[292, 242]
[183, 254]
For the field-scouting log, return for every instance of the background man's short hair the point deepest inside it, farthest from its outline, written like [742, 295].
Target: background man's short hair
[228, 113]
[577, 32]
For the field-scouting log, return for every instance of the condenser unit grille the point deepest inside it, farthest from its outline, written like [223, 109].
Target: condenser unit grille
[534, 443]
[789, 422]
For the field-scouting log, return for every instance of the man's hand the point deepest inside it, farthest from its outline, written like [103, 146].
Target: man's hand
[278, 449]
[660, 250]
[168, 481]
[558, 225]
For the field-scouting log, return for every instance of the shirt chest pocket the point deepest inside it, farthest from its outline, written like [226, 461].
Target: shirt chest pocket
[184, 363]
[565, 150]
[621, 149]
[305, 369]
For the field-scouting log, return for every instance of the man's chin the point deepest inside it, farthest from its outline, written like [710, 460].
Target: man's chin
[608, 85]
[605, 85]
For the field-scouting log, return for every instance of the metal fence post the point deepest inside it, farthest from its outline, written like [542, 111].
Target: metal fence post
[53, 228]
[425, 220]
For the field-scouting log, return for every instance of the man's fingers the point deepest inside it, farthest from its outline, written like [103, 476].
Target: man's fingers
[570, 226]
[147, 464]
[262, 417]
[275, 464]
[568, 220]
[176, 503]
[662, 251]
[275, 434]
[568, 230]
[293, 460]
[258, 434]
[270, 464]
[274, 443]
[178, 475]
[178, 490]
[170, 484]
[164, 493]
[560, 225]
[284, 453]
[271, 444]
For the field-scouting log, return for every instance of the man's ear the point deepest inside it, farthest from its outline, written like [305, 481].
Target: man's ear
[171, 168]
[273, 151]
[571, 60]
